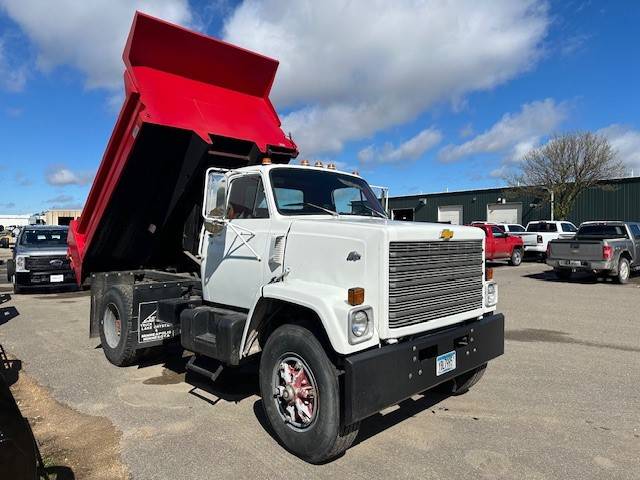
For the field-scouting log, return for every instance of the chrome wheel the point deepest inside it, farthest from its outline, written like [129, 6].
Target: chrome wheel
[295, 392]
[624, 271]
[112, 325]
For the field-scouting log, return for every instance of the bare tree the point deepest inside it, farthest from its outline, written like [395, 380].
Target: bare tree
[567, 165]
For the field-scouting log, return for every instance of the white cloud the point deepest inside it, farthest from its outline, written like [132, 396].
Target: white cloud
[514, 134]
[350, 69]
[13, 77]
[89, 36]
[409, 150]
[60, 175]
[626, 141]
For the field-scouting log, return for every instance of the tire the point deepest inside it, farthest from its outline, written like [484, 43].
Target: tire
[563, 273]
[11, 270]
[516, 257]
[462, 383]
[624, 271]
[322, 437]
[119, 347]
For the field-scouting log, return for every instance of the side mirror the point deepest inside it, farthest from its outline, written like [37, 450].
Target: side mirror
[214, 225]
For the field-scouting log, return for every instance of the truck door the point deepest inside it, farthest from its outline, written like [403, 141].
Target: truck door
[233, 250]
[488, 242]
[635, 236]
[500, 242]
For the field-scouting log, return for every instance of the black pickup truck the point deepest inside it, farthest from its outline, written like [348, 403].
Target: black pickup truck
[604, 248]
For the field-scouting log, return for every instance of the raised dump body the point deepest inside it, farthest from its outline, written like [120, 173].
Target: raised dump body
[192, 102]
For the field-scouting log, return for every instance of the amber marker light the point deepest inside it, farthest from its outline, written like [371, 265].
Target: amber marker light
[488, 274]
[266, 161]
[356, 296]
[318, 164]
[304, 163]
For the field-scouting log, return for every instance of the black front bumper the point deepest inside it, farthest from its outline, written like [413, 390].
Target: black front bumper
[378, 378]
[43, 279]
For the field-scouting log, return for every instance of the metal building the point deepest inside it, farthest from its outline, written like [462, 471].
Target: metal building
[613, 200]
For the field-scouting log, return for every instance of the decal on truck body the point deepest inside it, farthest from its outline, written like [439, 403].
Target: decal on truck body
[151, 328]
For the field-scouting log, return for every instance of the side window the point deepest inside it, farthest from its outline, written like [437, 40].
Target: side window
[498, 232]
[568, 227]
[635, 229]
[247, 199]
[552, 227]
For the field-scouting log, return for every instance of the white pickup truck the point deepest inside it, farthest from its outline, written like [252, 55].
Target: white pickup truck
[528, 238]
[547, 230]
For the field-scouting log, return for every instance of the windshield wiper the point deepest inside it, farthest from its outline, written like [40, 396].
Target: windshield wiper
[330, 212]
[372, 210]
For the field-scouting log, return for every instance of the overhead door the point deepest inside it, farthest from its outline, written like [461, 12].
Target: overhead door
[504, 212]
[450, 214]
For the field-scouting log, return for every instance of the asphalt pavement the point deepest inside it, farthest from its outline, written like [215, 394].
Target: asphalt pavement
[563, 402]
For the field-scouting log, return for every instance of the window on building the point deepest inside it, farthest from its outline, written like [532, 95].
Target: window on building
[404, 214]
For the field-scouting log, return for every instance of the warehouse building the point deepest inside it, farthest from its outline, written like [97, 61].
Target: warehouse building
[55, 217]
[618, 200]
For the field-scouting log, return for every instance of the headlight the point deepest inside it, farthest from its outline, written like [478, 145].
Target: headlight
[21, 262]
[360, 325]
[492, 294]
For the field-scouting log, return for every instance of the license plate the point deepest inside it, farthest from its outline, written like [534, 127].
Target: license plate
[572, 263]
[445, 363]
[56, 278]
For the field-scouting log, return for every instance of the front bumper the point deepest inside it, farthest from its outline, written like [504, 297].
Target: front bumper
[585, 265]
[42, 279]
[378, 378]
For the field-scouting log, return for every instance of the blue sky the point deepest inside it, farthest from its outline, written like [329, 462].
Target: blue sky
[418, 96]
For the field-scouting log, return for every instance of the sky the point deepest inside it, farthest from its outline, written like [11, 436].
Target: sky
[417, 95]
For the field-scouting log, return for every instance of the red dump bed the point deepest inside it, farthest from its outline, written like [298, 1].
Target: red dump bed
[191, 102]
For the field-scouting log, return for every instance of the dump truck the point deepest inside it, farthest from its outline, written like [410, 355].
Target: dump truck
[200, 229]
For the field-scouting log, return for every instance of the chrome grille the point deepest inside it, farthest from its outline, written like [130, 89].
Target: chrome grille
[429, 280]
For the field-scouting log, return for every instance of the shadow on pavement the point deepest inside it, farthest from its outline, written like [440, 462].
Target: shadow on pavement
[585, 278]
[20, 457]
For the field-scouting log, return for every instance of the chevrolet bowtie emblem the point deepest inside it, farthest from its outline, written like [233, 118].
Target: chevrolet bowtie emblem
[446, 234]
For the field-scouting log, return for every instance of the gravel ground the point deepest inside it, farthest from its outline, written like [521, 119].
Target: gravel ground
[563, 402]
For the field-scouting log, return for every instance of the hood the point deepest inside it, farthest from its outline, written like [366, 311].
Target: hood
[40, 251]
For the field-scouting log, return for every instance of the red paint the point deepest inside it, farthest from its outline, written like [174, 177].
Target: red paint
[182, 79]
[500, 247]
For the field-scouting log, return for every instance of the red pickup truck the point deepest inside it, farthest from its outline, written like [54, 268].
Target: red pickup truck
[499, 245]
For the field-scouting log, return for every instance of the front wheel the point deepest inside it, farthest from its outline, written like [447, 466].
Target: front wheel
[624, 271]
[516, 257]
[301, 396]
[462, 383]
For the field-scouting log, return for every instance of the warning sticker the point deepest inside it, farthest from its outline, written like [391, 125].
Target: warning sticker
[151, 328]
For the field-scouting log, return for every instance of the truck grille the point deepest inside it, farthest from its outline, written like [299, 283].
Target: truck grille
[429, 280]
[47, 263]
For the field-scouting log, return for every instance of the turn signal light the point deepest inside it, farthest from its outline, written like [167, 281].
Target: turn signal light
[488, 274]
[607, 252]
[356, 296]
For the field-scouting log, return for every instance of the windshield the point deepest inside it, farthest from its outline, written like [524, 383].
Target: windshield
[602, 231]
[516, 228]
[300, 191]
[35, 237]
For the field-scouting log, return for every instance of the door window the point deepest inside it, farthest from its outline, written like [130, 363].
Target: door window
[498, 232]
[247, 199]
[635, 229]
[568, 227]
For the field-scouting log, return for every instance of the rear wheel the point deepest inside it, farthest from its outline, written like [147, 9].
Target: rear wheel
[118, 340]
[563, 273]
[301, 397]
[516, 257]
[624, 271]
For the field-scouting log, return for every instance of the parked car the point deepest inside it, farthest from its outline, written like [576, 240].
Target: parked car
[547, 230]
[500, 245]
[40, 258]
[606, 248]
[528, 238]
